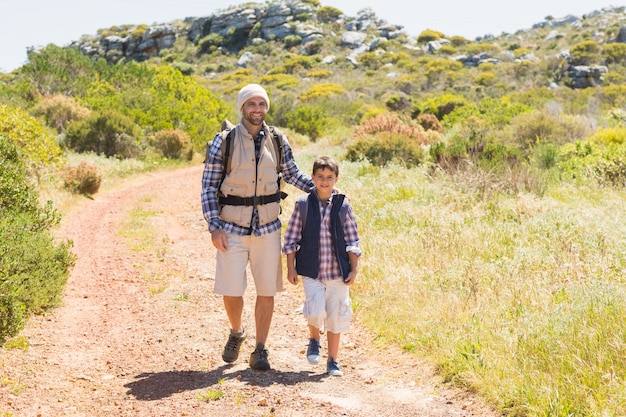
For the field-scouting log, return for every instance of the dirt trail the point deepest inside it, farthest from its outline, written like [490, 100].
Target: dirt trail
[140, 333]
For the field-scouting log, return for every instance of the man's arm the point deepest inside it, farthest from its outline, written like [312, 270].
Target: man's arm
[211, 178]
[291, 172]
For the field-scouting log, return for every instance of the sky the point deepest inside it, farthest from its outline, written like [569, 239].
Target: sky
[26, 23]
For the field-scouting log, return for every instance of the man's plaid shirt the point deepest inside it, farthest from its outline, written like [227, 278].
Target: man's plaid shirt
[212, 176]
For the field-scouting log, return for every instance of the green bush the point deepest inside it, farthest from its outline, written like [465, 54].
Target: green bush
[83, 179]
[171, 143]
[210, 43]
[307, 120]
[108, 133]
[430, 122]
[527, 129]
[33, 268]
[30, 136]
[614, 53]
[16, 193]
[59, 111]
[585, 53]
[386, 148]
[328, 14]
[292, 40]
[429, 35]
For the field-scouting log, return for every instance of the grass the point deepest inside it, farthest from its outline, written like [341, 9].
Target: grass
[517, 297]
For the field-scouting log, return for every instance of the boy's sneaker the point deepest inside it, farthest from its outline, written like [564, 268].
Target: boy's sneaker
[332, 368]
[258, 359]
[313, 351]
[231, 350]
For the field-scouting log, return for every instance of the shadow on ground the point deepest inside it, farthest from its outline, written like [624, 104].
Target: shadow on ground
[157, 385]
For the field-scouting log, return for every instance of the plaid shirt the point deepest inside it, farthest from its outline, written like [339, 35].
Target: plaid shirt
[329, 267]
[212, 177]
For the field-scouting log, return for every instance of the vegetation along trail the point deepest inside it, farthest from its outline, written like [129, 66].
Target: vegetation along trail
[140, 332]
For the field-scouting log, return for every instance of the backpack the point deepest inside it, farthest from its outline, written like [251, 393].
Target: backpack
[303, 205]
[227, 149]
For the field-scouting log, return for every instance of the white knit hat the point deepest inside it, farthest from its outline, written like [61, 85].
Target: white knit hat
[249, 91]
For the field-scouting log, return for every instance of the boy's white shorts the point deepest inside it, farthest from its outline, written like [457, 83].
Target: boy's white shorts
[327, 305]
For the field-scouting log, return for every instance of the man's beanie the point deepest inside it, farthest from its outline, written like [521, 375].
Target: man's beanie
[249, 91]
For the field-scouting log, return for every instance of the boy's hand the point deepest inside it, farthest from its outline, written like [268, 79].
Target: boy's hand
[292, 276]
[350, 278]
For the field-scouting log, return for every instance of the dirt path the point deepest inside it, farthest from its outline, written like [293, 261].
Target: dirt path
[140, 333]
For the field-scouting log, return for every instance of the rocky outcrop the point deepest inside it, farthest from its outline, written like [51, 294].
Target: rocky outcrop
[255, 22]
[583, 76]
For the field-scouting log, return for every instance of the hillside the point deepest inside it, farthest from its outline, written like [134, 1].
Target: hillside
[489, 178]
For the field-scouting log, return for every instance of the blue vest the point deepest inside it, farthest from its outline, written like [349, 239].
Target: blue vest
[307, 258]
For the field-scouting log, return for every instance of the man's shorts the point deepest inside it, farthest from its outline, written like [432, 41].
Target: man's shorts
[263, 253]
[327, 304]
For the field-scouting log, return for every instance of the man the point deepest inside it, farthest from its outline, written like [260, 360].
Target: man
[242, 213]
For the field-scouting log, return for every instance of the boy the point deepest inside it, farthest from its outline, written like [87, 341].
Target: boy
[322, 245]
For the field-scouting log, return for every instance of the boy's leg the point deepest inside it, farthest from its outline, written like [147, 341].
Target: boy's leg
[333, 344]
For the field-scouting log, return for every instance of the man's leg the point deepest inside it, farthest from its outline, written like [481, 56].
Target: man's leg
[234, 311]
[263, 312]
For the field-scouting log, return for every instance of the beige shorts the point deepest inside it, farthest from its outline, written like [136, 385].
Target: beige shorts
[263, 254]
[327, 305]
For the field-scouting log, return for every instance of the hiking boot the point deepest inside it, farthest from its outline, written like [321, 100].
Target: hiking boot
[332, 368]
[231, 350]
[258, 359]
[313, 351]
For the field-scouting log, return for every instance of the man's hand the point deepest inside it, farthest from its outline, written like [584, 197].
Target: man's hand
[218, 237]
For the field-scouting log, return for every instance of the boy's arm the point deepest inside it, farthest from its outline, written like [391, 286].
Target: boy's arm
[354, 266]
[292, 275]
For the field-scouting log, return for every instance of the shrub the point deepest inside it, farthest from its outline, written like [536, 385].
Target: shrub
[321, 90]
[609, 135]
[307, 120]
[388, 123]
[171, 143]
[108, 133]
[292, 40]
[585, 53]
[59, 111]
[210, 43]
[429, 35]
[440, 105]
[430, 122]
[83, 179]
[386, 148]
[397, 102]
[30, 136]
[538, 126]
[33, 268]
[614, 53]
[328, 14]
[184, 68]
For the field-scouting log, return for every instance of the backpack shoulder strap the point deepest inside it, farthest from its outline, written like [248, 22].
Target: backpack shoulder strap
[277, 136]
[227, 149]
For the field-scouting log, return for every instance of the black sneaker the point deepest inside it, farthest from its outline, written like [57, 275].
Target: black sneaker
[231, 350]
[258, 359]
[313, 351]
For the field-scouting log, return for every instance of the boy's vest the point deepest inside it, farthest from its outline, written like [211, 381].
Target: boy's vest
[250, 183]
[307, 258]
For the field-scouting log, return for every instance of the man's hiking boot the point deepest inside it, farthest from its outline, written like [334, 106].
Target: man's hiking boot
[313, 351]
[258, 359]
[231, 350]
[332, 368]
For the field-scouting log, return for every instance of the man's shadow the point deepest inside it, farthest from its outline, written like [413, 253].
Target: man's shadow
[157, 385]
